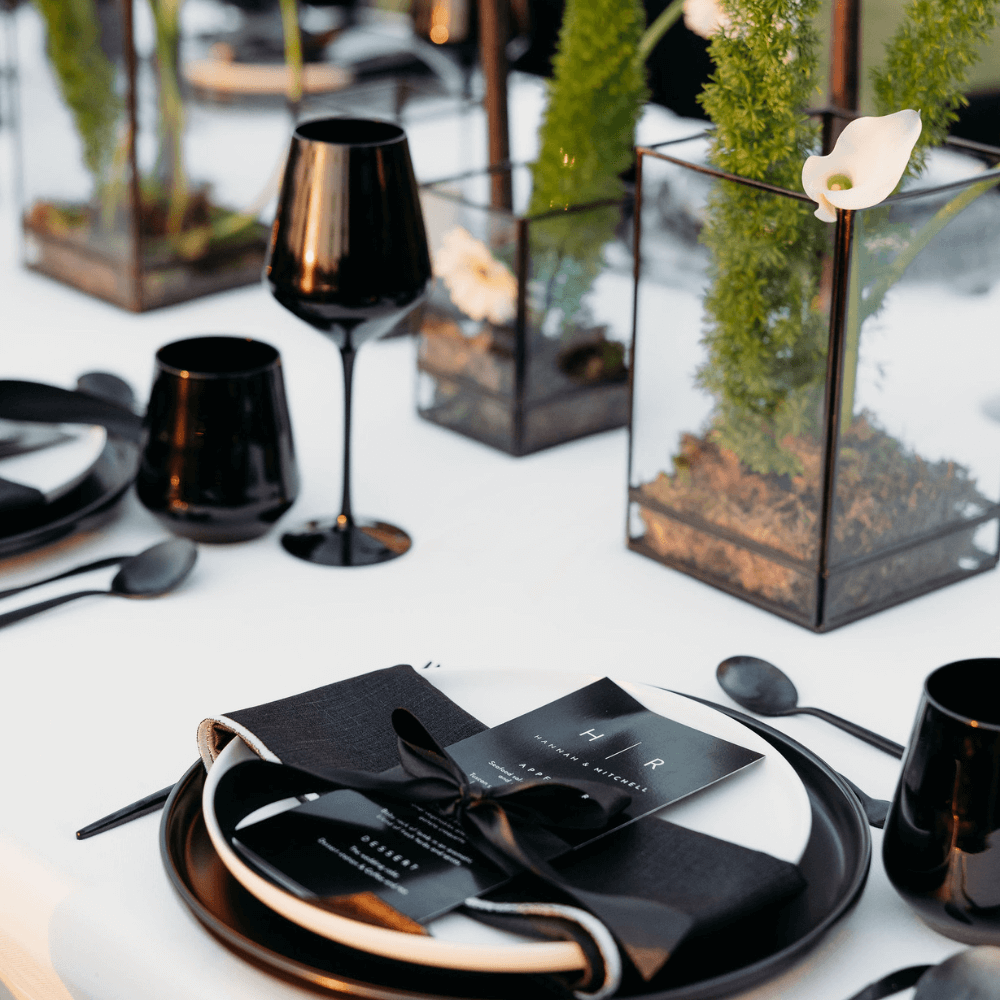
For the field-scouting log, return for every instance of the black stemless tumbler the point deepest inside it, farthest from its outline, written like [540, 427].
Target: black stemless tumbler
[942, 837]
[218, 463]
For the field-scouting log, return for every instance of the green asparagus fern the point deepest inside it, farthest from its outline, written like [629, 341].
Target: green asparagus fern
[927, 65]
[170, 161]
[597, 92]
[86, 77]
[765, 339]
[586, 141]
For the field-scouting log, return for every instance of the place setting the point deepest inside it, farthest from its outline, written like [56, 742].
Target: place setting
[296, 839]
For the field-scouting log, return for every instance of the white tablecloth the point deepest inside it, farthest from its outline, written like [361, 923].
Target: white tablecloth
[515, 563]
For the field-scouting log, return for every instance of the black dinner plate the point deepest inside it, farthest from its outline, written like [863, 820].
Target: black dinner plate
[835, 866]
[85, 506]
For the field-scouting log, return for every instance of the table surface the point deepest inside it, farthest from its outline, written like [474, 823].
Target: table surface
[515, 563]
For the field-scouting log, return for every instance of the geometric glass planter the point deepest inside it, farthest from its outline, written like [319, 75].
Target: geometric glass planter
[131, 189]
[523, 336]
[815, 425]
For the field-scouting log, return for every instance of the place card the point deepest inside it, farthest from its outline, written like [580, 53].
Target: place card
[421, 863]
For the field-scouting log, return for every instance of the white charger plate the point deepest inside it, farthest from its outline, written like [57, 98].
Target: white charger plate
[55, 470]
[765, 807]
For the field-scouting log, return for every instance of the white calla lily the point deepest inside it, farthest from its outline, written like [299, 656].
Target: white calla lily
[865, 165]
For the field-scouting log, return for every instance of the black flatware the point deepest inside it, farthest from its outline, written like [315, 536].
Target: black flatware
[152, 573]
[76, 571]
[901, 979]
[125, 815]
[108, 387]
[763, 688]
[973, 974]
[875, 809]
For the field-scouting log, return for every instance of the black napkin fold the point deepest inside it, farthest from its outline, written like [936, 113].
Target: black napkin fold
[343, 725]
[348, 725]
[48, 404]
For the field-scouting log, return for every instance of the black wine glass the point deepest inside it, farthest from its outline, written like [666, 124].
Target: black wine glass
[349, 256]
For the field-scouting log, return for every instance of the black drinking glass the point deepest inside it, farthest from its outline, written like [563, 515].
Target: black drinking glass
[942, 837]
[218, 463]
[349, 256]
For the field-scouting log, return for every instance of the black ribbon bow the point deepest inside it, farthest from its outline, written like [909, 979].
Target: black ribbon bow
[500, 823]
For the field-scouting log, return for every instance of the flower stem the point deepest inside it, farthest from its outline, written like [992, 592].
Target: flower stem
[852, 344]
[293, 50]
[877, 292]
[943, 216]
[166, 15]
[667, 18]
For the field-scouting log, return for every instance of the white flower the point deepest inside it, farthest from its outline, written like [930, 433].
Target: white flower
[479, 284]
[865, 165]
[705, 17]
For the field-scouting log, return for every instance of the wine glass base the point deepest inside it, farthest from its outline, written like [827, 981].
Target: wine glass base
[333, 542]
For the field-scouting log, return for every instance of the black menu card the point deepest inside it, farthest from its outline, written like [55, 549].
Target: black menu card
[420, 862]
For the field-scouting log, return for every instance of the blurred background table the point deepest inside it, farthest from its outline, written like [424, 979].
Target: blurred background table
[515, 563]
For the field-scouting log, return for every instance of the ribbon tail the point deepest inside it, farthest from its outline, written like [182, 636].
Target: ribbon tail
[648, 932]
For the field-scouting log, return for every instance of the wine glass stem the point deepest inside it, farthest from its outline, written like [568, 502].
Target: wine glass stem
[347, 356]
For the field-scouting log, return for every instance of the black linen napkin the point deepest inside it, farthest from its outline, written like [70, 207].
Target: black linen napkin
[48, 404]
[348, 725]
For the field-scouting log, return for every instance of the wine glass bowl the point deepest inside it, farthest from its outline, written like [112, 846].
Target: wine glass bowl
[348, 255]
[348, 249]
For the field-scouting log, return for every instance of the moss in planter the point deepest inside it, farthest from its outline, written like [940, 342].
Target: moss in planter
[885, 495]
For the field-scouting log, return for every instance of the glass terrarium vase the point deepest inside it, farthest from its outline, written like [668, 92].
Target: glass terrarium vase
[523, 337]
[816, 409]
[134, 189]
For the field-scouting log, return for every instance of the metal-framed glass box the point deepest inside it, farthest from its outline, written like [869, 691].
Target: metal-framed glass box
[524, 335]
[844, 455]
[136, 185]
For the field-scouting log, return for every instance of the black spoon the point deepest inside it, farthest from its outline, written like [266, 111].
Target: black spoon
[875, 810]
[763, 688]
[75, 571]
[149, 574]
[973, 974]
